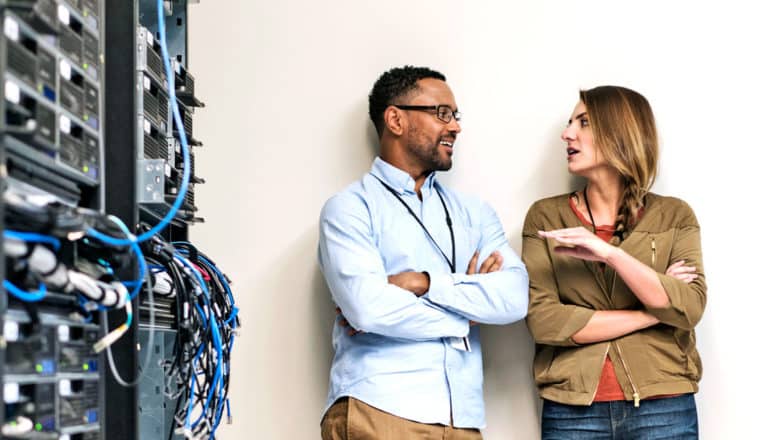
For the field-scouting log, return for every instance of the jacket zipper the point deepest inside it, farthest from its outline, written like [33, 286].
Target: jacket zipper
[652, 246]
[631, 381]
[635, 394]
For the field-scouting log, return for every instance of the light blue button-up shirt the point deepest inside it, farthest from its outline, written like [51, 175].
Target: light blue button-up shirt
[405, 363]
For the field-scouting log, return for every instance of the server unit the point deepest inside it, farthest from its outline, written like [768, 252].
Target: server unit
[52, 149]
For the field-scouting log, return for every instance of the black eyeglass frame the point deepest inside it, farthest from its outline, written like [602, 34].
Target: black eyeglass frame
[436, 109]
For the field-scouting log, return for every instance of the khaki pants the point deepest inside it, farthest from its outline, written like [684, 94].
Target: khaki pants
[351, 419]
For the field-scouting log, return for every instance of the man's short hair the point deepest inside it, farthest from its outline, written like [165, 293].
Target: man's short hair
[393, 84]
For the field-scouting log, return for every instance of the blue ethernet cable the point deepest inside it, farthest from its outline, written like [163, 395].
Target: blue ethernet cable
[217, 373]
[185, 150]
[33, 237]
[24, 295]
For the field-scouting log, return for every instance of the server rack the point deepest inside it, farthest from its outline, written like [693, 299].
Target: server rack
[52, 148]
[71, 68]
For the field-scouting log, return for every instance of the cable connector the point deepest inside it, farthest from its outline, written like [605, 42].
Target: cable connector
[110, 338]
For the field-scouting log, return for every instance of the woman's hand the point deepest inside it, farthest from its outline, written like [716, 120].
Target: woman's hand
[580, 243]
[681, 272]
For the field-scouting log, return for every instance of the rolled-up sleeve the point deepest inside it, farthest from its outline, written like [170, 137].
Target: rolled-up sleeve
[356, 277]
[549, 320]
[687, 301]
[498, 297]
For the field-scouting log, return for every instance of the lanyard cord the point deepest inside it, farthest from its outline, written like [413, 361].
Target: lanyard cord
[588, 207]
[451, 263]
[591, 215]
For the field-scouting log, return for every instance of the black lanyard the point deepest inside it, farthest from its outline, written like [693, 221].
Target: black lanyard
[615, 233]
[448, 222]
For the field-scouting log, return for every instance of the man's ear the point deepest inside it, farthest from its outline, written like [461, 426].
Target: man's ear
[394, 121]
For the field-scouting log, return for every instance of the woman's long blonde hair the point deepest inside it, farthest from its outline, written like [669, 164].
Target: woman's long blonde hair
[624, 132]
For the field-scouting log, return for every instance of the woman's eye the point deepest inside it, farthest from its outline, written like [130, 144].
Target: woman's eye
[584, 122]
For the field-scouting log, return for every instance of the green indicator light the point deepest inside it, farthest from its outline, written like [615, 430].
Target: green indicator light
[85, 168]
[85, 117]
[85, 65]
[39, 368]
[85, 367]
[39, 87]
[13, 422]
[38, 427]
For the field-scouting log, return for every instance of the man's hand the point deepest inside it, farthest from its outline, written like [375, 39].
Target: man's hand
[344, 323]
[415, 282]
[493, 263]
[419, 282]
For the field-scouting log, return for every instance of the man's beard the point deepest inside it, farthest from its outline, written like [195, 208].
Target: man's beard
[427, 152]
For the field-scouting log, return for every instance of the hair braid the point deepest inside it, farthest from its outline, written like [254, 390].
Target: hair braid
[631, 203]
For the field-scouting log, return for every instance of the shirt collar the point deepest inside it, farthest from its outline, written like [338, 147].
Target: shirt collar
[399, 179]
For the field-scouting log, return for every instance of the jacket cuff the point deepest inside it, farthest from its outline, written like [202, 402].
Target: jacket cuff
[672, 314]
[576, 321]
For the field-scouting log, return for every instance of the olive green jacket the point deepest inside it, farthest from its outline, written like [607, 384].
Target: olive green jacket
[564, 292]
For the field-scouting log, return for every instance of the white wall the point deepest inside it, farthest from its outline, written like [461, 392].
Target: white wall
[285, 127]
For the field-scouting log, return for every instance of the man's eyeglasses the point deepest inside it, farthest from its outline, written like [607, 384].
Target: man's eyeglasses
[443, 112]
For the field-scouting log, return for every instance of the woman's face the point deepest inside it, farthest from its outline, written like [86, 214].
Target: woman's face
[582, 155]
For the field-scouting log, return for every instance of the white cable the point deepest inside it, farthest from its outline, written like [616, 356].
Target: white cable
[150, 341]
[19, 427]
[14, 248]
[116, 334]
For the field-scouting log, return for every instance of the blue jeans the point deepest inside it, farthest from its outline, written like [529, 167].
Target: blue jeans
[666, 418]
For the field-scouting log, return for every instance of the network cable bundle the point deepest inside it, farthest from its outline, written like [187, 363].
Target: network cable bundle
[113, 324]
[197, 374]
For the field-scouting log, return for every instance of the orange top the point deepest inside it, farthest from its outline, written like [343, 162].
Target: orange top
[609, 387]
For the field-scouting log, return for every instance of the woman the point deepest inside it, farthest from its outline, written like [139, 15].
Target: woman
[616, 284]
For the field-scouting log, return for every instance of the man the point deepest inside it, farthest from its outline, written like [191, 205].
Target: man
[390, 247]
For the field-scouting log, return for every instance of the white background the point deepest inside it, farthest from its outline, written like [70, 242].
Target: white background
[286, 126]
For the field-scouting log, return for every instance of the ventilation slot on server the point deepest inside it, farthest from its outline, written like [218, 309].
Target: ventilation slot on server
[28, 120]
[34, 402]
[154, 141]
[89, 164]
[76, 353]
[71, 140]
[72, 94]
[186, 114]
[91, 12]
[185, 86]
[32, 173]
[21, 52]
[30, 349]
[91, 116]
[78, 402]
[91, 55]
[165, 312]
[39, 14]
[46, 73]
[148, 57]
[70, 40]
[155, 103]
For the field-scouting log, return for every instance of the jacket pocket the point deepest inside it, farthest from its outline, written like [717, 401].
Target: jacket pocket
[560, 368]
[656, 356]
[657, 250]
